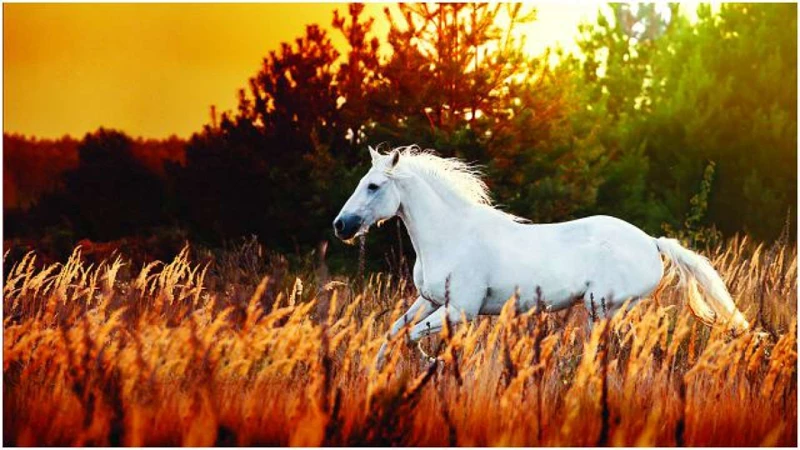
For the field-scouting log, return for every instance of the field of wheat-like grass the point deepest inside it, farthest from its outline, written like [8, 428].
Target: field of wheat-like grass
[227, 352]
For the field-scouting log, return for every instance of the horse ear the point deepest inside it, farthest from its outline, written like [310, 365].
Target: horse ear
[395, 158]
[373, 153]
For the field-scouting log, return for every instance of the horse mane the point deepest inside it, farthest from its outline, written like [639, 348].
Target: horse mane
[460, 177]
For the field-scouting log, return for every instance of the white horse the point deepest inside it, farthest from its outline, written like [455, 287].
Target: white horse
[482, 256]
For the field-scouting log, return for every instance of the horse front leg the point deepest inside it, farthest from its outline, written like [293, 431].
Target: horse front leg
[434, 324]
[419, 310]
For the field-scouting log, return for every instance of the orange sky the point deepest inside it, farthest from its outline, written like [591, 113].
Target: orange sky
[153, 70]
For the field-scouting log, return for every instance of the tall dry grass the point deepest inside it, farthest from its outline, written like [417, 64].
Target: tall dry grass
[174, 354]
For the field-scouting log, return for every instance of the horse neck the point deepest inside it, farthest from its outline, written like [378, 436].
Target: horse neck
[431, 216]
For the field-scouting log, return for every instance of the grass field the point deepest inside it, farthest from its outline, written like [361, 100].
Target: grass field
[233, 349]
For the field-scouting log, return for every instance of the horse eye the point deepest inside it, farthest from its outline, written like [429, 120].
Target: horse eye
[373, 187]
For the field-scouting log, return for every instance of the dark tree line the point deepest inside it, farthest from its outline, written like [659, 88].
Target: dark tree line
[678, 127]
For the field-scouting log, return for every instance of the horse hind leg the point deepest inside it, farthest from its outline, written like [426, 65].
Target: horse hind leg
[613, 292]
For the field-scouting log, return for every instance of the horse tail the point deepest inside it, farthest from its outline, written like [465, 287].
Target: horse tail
[695, 269]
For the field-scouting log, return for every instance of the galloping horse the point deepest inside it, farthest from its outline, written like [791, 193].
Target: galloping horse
[482, 256]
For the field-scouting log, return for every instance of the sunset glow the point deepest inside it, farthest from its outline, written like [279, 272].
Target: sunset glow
[154, 70]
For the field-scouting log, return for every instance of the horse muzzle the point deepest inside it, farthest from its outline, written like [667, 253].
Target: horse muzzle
[346, 226]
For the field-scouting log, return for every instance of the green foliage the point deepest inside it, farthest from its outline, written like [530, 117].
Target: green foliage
[677, 94]
[735, 96]
[693, 231]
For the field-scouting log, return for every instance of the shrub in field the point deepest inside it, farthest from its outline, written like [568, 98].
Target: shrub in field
[170, 354]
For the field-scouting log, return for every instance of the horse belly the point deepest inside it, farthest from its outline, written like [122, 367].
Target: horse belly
[551, 289]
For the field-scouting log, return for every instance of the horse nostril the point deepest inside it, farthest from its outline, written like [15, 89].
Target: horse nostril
[339, 225]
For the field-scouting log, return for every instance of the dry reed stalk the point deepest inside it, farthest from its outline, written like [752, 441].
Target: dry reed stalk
[94, 355]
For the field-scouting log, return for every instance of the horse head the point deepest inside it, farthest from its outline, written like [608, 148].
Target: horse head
[375, 199]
